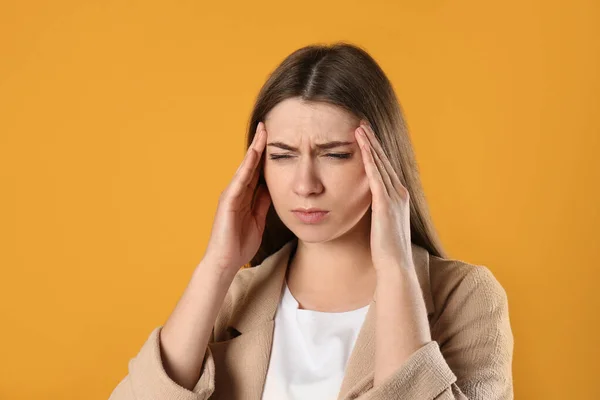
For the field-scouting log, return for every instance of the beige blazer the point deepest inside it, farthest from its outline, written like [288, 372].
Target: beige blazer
[469, 357]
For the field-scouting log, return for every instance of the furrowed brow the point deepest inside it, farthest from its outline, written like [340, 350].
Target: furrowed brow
[323, 146]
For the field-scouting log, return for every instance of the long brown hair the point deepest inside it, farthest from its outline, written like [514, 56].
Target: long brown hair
[345, 75]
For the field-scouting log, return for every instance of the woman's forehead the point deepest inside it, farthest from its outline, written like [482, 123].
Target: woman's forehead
[296, 120]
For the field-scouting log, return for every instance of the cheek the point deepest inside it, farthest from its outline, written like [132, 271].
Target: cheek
[268, 171]
[361, 181]
[360, 192]
[275, 178]
[350, 183]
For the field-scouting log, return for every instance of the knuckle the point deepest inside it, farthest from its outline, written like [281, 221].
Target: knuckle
[405, 193]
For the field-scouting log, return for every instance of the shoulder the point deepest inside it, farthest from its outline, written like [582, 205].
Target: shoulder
[460, 285]
[472, 325]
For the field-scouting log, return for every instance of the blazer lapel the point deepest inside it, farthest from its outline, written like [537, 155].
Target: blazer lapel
[242, 361]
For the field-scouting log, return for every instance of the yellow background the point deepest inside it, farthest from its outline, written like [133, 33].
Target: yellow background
[114, 114]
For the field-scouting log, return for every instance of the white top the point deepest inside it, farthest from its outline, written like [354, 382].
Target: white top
[310, 351]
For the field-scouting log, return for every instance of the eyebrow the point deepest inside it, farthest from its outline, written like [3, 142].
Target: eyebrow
[324, 146]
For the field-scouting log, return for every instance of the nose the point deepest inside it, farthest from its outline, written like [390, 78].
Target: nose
[306, 178]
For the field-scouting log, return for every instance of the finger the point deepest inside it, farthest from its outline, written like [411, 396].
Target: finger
[254, 179]
[396, 183]
[251, 147]
[380, 153]
[248, 169]
[254, 150]
[375, 181]
[380, 167]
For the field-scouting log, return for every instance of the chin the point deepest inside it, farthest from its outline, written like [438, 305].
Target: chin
[313, 237]
[311, 233]
[318, 233]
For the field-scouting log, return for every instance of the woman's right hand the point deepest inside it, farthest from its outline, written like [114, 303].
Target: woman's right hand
[239, 224]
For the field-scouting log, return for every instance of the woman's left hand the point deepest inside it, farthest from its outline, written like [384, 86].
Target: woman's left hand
[402, 324]
[390, 218]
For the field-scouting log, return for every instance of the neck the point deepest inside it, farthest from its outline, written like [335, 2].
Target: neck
[336, 274]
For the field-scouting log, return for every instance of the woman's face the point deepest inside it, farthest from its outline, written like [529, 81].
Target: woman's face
[300, 174]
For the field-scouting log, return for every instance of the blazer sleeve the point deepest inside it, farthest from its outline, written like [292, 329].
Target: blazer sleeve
[148, 380]
[472, 358]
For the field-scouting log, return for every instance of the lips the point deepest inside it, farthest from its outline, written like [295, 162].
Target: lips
[309, 210]
[310, 215]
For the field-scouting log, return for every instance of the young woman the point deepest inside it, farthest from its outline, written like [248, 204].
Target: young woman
[346, 292]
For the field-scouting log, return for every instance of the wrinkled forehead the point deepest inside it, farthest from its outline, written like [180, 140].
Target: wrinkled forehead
[295, 121]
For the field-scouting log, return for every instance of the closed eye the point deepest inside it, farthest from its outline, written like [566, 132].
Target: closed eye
[331, 155]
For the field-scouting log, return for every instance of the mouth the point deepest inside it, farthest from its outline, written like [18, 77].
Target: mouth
[310, 215]
[307, 210]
